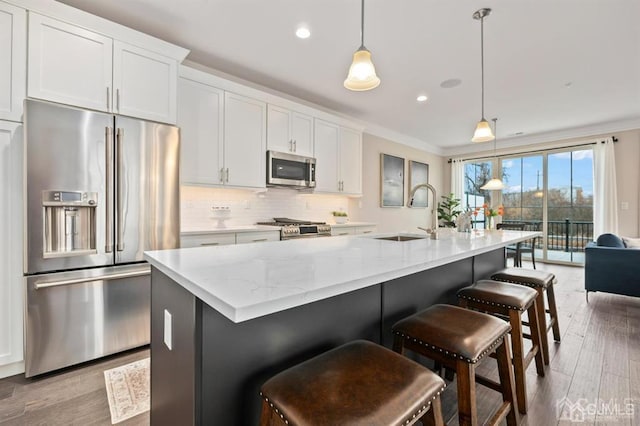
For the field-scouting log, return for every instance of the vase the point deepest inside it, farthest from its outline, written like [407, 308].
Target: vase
[491, 223]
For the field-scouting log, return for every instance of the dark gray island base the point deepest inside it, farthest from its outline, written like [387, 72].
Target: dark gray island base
[214, 371]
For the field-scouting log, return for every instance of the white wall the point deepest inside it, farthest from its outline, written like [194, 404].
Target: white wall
[249, 207]
[393, 219]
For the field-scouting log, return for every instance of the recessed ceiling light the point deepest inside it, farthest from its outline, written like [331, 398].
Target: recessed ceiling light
[451, 83]
[568, 84]
[422, 98]
[303, 32]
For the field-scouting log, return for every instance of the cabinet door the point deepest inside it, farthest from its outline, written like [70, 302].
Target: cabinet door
[202, 240]
[302, 134]
[68, 64]
[342, 231]
[13, 61]
[278, 129]
[245, 122]
[351, 161]
[144, 83]
[11, 286]
[200, 117]
[326, 152]
[257, 237]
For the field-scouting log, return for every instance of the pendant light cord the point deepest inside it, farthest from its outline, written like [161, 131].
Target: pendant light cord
[481, 59]
[362, 26]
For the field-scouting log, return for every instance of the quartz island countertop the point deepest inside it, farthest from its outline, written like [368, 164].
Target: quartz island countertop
[248, 281]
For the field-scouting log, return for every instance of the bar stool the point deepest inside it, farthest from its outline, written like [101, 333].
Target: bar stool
[359, 383]
[510, 300]
[458, 338]
[541, 282]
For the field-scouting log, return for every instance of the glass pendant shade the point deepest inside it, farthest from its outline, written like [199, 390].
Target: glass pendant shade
[362, 73]
[483, 132]
[493, 185]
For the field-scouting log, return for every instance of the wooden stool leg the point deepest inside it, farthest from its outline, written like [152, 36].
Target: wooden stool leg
[466, 381]
[542, 322]
[506, 379]
[515, 318]
[551, 298]
[534, 326]
[398, 344]
[434, 415]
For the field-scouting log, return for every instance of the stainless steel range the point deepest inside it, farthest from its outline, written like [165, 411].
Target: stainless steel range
[291, 228]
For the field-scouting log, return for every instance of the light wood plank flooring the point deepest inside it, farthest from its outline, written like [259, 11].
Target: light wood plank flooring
[599, 357]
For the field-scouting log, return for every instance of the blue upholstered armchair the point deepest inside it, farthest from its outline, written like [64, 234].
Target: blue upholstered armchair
[611, 267]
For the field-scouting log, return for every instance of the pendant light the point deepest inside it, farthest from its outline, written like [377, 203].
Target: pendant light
[494, 184]
[362, 74]
[483, 130]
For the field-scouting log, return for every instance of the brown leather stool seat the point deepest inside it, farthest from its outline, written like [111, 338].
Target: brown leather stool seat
[359, 383]
[542, 282]
[458, 339]
[510, 301]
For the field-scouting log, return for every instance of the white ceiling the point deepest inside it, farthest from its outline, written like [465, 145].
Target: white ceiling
[532, 50]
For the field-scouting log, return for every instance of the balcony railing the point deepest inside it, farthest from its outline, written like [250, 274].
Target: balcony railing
[562, 235]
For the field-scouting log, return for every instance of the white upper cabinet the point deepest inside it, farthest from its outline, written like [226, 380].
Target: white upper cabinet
[245, 121]
[200, 117]
[13, 61]
[75, 66]
[338, 152]
[289, 131]
[68, 64]
[144, 83]
[326, 153]
[350, 161]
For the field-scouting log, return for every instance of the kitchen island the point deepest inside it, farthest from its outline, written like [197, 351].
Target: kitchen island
[225, 319]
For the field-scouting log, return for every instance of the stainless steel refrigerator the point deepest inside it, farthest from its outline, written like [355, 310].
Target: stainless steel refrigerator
[100, 189]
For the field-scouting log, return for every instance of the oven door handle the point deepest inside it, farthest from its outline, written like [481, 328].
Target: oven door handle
[46, 284]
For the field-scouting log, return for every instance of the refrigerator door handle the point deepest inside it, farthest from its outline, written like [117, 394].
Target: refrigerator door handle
[119, 190]
[46, 284]
[109, 191]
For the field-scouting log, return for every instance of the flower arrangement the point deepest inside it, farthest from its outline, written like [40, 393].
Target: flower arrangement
[339, 216]
[489, 212]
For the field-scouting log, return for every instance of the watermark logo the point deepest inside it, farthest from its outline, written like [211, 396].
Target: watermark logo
[583, 410]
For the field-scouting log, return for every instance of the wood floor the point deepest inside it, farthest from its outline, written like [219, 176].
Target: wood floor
[598, 358]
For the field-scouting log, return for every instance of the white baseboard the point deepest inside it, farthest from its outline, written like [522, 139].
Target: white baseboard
[11, 369]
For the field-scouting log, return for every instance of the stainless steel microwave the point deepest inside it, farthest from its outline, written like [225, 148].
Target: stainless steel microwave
[294, 171]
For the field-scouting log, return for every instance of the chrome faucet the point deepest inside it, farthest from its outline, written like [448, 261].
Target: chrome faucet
[433, 231]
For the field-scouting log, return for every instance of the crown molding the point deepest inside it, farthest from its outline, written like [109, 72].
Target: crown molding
[588, 131]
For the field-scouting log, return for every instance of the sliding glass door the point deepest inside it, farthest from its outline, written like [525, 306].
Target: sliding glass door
[549, 191]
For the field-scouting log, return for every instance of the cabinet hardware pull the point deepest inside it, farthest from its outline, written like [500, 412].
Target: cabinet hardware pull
[227, 175]
[366, 232]
[209, 244]
[118, 99]
[343, 233]
[221, 175]
[108, 99]
[260, 239]
[295, 146]
[290, 145]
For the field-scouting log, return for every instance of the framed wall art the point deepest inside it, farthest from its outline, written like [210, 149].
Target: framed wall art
[419, 173]
[391, 181]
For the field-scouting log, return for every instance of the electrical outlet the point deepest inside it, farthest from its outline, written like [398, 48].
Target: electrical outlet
[167, 330]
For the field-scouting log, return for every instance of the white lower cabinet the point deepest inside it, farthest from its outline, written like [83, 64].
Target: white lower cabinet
[352, 230]
[11, 283]
[217, 239]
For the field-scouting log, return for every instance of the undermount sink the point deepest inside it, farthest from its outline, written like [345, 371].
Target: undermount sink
[401, 238]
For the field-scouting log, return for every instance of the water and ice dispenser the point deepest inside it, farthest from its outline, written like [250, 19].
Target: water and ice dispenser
[69, 223]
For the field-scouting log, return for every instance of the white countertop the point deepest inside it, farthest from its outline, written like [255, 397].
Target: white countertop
[247, 281]
[229, 229]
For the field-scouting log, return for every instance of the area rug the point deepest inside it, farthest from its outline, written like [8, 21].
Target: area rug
[128, 390]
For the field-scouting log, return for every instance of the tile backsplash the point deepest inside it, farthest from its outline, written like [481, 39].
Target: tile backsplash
[248, 207]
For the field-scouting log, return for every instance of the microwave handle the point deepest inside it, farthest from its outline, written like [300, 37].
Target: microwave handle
[310, 177]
